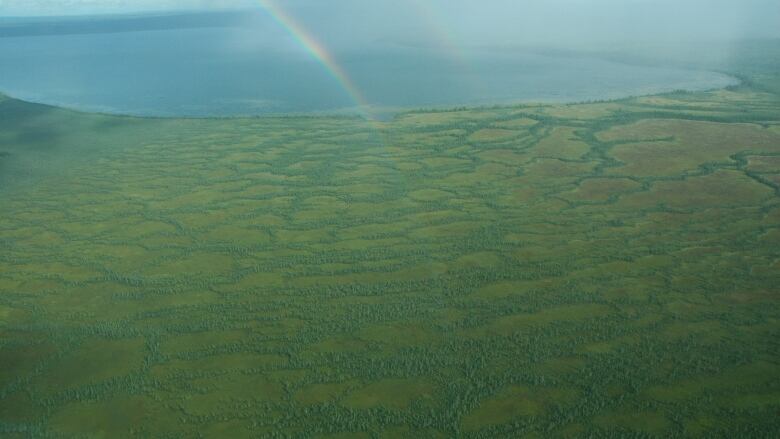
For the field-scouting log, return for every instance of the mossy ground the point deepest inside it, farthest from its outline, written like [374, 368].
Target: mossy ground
[595, 270]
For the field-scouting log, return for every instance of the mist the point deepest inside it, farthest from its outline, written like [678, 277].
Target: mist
[469, 24]
[466, 51]
[578, 23]
[389, 218]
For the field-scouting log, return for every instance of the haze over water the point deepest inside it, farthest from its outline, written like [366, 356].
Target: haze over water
[204, 72]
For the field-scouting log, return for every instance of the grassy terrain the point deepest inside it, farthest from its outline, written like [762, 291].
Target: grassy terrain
[595, 270]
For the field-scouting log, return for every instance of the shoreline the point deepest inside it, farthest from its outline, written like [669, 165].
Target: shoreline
[393, 112]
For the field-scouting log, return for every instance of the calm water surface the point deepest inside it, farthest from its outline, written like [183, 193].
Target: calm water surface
[213, 72]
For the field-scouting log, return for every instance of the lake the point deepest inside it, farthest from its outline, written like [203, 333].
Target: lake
[225, 72]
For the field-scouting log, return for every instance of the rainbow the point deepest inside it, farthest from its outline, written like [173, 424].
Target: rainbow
[445, 38]
[317, 51]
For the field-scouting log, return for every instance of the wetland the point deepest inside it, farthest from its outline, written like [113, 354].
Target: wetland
[528, 270]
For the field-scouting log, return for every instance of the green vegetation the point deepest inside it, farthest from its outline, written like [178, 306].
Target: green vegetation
[595, 270]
